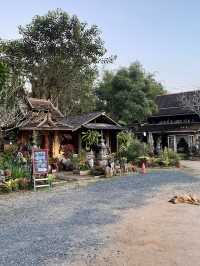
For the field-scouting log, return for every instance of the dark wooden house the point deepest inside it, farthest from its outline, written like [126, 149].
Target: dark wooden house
[171, 126]
[44, 122]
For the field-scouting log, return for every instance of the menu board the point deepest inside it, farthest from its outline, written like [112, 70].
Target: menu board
[40, 161]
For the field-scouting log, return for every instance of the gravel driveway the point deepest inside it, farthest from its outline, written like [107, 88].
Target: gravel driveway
[52, 228]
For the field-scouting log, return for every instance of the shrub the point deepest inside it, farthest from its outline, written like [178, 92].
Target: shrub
[82, 156]
[11, 185]
[15, 185]
[51, 178]
[173, 156]
[18, 171]
[84, 167]
[135, 149]
[6, 160]
[5, 188]
[168, 158]
[124, 139]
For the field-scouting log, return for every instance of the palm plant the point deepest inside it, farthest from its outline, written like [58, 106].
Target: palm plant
[90, 138]
[124, 139]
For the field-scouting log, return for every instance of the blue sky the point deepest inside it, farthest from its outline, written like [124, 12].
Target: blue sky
[164, 35]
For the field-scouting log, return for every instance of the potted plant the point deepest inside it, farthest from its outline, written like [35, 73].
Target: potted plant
[90, 138]
[80, 165]
[84, 169]
[51, 178]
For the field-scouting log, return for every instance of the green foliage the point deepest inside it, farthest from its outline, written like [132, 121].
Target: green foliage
[17, 168]
[130, 147]
[5, 188]
[124, 139]
[79, 161]
[129, 94]
[90, 138]
[75, 161]
[84, 167]
[58, 54]
[82, 156]
[19, 177]
[3, 75]
[15, 185]
[8, 158]
[8, 186]
[51, 178]
[136, 151]
[18, 171]
[167, 158]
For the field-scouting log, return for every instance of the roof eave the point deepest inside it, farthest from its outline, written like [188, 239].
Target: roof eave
[98, 115]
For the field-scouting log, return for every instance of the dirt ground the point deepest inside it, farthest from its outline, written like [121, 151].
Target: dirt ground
[191, 167]
[122, 221]
[160, 233]
[157, 234]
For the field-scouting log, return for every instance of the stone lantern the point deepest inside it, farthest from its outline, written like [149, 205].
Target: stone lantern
[102, 157]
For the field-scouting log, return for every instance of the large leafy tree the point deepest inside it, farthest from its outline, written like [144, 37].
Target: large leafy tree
[3, 75]
[58, 55]
[10, 95]
[129, 94]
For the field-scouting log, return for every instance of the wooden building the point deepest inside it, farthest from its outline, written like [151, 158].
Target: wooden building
[46, 124]
[171, 126]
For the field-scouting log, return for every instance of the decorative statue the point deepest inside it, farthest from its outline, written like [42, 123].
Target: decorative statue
[158, 146]
[197, 145]
[103, 153]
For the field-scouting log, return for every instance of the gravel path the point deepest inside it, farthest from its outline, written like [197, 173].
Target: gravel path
[52, 228]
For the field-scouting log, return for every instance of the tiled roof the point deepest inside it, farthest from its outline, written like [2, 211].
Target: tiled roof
[38, 120]
[79, 120]
[42, 114]
[160, 128]
[44, 105]
[170, 105]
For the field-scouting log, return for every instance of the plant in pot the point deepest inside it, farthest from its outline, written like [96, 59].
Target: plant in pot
[51, 178]
[84, 169]
[90, 138]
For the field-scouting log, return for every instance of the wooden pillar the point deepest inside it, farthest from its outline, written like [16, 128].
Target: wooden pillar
[107, 139]
[175, 144]
[56, 145]
[190, 140]
[79, 142]
[46, 140]
[172, 142]
[22, 138]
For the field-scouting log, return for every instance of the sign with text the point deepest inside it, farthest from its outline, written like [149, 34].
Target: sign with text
[40, 161]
